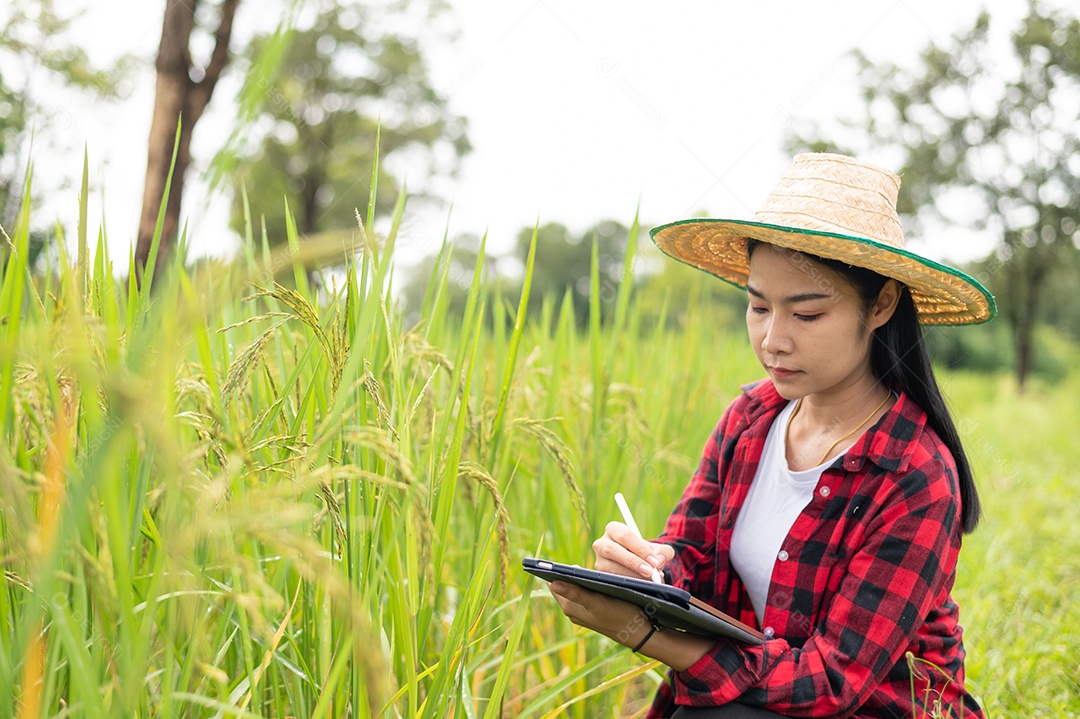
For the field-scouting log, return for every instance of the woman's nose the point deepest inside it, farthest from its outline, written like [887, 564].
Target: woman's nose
[776, 339]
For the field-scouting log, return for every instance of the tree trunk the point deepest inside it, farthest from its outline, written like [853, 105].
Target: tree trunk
[1031, 270]
[314, 177]
[181, 99]
[1022, 332]
[309, 211]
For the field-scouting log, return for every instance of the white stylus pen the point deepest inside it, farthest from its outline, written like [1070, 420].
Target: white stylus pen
[628, 518]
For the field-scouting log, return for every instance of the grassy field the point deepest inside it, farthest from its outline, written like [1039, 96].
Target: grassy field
[228, 494]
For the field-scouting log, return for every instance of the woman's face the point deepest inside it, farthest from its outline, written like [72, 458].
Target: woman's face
[806, 324]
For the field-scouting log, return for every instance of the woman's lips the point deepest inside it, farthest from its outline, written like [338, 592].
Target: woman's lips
[782, 372]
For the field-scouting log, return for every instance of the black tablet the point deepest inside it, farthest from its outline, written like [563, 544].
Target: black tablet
[669, 606]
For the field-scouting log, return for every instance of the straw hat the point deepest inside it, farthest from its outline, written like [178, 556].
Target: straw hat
[839, 208]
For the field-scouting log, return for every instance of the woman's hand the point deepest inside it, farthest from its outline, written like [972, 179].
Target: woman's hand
[614, 618]
[627, 624]
[622, 551]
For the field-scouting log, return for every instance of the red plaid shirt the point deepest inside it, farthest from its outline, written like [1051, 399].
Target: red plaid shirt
[869, 565]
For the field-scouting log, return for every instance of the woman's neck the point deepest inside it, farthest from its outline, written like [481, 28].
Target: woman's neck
[841, 404]
[824, 424]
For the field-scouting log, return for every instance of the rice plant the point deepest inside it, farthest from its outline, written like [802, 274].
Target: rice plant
[231, 491]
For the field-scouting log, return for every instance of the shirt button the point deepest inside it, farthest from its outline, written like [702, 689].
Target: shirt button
[769, 633]
[783, 555]
[824, 491]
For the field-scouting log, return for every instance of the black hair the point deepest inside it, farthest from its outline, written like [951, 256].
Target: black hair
[898, 357]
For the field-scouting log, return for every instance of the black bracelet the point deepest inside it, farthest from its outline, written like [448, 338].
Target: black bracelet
[652, 630]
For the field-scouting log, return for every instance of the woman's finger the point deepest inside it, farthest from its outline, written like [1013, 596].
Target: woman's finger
[595, 611]
[576, 603]
[621, 551]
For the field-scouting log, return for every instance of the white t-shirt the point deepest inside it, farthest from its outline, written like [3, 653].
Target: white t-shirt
[775, 498]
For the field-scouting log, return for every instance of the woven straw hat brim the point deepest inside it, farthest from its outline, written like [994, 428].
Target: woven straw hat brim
[943, 295]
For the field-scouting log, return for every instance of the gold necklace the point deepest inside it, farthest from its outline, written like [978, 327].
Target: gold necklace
[798, 405]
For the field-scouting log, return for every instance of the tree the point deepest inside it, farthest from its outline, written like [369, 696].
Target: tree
[564, 261]
[33, 48]
[182, 93]
[346, 78]
[676, 295]
[989, 145]
[563, 264]
[461, 256]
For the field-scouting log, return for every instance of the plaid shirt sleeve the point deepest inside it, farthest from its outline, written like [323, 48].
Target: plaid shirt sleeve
[701, 522]
[692, 527]
[870, 563]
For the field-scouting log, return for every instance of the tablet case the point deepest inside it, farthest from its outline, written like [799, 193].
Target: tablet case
[669, 606]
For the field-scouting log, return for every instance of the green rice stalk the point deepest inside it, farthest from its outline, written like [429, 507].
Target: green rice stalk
[515, 343]
[479, 475]
[239, 371]
[391, 236]
[495, 703]
[147, 273]
[433, 309]
[11, 297]
[626, 286]
[618, 681]
[596, 360]
[556, 448]
[300, 272]
[82, 268]
[373, 186]
[462, 630]
[553, 689]
[371, 385]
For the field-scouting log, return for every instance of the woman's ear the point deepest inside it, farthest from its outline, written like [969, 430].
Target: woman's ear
[884, 305]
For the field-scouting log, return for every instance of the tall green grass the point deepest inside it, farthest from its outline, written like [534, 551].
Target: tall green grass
[1020, 571]
[234, 493]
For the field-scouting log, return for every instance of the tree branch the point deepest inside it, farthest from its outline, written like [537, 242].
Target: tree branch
[204, 89]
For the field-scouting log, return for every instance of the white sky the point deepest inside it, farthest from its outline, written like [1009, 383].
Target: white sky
[578, 111]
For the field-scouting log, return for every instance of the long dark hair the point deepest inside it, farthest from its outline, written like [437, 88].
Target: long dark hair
[898, 357]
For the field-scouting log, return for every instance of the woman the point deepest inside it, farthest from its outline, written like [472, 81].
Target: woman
[830, 501]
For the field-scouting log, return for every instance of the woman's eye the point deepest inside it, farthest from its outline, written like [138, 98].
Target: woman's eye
[808, 318]
[758, 310]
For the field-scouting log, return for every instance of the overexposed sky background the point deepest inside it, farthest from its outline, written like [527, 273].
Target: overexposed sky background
[577, 112]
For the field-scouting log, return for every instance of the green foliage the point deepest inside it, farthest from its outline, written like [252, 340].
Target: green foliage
[233, 498]
[561, 271]
[459, 266]
[667, 296]
[1019, 571]
[339, 83]
[989, 349]
[564, 261]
